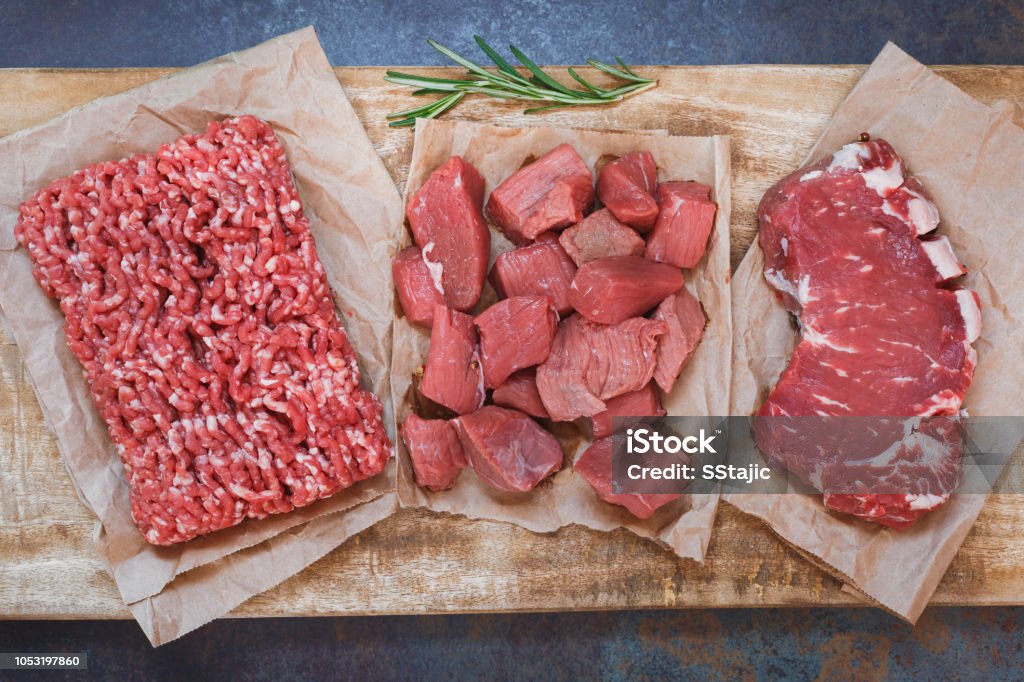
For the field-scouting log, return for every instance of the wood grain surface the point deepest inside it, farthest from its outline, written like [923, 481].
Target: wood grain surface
[419, 562]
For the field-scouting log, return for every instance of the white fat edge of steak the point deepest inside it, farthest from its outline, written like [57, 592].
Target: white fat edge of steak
[940, 253]
[970, 312]
[921, 212]
[883, 179]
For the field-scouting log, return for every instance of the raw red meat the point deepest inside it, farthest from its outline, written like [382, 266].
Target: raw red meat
[610, 290]
[447, 223]
[453, 376]
[645, 404]
[507, 449]
[685, 319]
[882, 331]
[600, 235]
[627, 187]
[553, 192]
[417, 291]
[519, 392]
[590, 363]
[541, 269]
[515, 333]
[196, 303]
[434, 450]
[883, 469]
[687, 216]
[595, 466]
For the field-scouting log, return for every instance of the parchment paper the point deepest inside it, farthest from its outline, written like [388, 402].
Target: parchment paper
[970, 157]
[683, 526]
[355, 211]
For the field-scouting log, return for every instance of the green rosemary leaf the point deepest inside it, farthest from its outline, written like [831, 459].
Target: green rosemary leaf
[538, 73]
[582, 81]
[472, 67]
[611, 70]
[537, 110]
[499, 61]
[626, 68]
[530, 84]
[425, 79]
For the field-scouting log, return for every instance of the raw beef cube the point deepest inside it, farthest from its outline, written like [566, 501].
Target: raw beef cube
[613, 289]
[507, 449]
[515, 333]
[201, 315]
[453, 376]
[643, 403]
[684, 223]
[541, 269]
[627, 188]
[435, 451]
[447, 223]
[595, 466]
[417, 291]
[590, 363]
[685, 319]
[600, 235]
[553, 192]
[519, 392]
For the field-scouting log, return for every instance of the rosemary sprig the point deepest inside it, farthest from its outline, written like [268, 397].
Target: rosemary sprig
[508, 82]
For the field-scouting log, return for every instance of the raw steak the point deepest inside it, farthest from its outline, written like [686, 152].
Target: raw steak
[600, 235]
[590, 363]
[627, 187]
[434, 450]
[595, 466]
[610, 290]
[883, 331]
[447, 223]
[196, 303]
[508, 450]
[553, 192]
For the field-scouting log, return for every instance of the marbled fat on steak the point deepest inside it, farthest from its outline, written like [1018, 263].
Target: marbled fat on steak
[848, 246]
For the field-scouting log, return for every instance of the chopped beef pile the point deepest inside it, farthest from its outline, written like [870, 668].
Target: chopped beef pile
[591, 318]
[194, 299]
[885, 332]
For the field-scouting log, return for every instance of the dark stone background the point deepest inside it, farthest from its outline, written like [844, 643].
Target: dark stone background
[983, 643]
[385, 32]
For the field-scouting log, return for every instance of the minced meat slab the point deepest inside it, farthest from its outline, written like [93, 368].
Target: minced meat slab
[194, 299]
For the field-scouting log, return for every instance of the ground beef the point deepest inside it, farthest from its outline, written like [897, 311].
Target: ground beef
[201, 314]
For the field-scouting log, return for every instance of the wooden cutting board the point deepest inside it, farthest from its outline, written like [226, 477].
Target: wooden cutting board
[419, 562]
